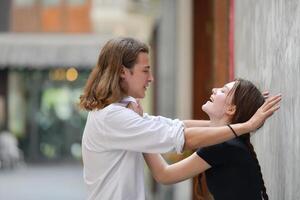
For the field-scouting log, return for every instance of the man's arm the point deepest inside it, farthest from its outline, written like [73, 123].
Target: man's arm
[196, 123]
[196, 137]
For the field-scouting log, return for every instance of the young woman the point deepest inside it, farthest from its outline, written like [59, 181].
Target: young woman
[232, 169]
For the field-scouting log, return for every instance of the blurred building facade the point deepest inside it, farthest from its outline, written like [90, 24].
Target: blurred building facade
[51, 16]
[44, 65]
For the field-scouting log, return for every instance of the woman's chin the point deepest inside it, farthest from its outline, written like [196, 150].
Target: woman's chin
[205, 106]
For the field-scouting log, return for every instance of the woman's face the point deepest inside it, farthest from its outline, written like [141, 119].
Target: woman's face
[216, 107]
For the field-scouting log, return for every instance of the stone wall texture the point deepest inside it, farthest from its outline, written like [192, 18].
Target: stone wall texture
[267, 52]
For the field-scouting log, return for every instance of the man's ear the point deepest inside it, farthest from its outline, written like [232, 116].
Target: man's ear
[123, 72]
[231, 110]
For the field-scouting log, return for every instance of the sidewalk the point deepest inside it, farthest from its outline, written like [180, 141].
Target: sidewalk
[44, 181]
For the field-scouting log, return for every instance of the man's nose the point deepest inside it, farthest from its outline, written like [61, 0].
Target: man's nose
[150, 78]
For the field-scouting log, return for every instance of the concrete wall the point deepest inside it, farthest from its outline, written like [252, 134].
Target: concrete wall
[4, 15]
[166, 63]
[267, 51]
[174, 56]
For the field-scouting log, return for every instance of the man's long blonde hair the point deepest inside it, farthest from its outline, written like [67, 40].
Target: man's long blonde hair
[103, 85]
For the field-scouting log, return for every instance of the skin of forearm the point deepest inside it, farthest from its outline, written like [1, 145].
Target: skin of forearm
[157, 166]
[196, 137]
[196, 123]
[170, 174]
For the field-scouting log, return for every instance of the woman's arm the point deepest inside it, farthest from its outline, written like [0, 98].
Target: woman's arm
[182, 170]
[196, 123]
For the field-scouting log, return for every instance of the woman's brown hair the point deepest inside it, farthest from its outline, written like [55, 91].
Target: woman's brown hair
[103, 85]
[247, 98]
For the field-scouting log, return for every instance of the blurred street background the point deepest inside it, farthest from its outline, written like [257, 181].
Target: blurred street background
[48, 48]
[43, 181]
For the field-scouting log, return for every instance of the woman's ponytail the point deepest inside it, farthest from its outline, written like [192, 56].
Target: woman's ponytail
[263, 187]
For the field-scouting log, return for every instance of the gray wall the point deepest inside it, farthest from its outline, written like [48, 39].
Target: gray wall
[166, 66]
[4, 15]
[267, 51]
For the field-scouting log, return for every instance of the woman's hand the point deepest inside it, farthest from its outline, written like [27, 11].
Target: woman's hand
[264, 112]
[136, 107]
[266, 94]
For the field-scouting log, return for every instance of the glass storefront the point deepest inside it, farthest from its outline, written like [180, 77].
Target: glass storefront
[44, 112]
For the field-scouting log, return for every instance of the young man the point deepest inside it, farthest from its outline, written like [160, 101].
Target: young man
[115, 136]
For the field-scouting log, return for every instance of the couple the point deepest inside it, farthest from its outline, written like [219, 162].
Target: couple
[115, 137]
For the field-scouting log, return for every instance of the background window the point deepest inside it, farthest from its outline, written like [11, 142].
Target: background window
[50, 2]
[24, 2]
[76, 2]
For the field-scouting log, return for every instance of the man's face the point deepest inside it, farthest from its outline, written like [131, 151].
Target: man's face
[137, 79]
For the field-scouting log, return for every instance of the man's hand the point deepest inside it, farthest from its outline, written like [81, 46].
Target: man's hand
[136, 107]
[264, 112]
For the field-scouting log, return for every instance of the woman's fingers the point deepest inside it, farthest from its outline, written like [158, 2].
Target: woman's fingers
[270, 102]
[136, 108]
[272, 110]
[266, 94]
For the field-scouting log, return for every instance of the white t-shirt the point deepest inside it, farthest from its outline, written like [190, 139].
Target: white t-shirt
[113, 140]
